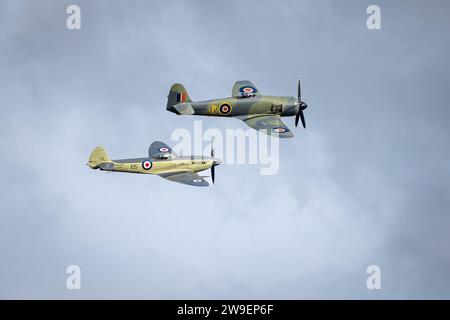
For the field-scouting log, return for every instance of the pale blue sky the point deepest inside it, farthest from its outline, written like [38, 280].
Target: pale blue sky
[366, 183]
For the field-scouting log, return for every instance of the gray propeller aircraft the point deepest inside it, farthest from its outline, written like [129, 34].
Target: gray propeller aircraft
[161, 161]
[258, 111]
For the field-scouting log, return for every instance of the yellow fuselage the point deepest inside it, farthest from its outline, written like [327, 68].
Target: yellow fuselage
[161, 166]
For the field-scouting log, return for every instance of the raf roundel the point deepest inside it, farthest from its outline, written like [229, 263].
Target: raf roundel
[163, 149]
[147, 165]
[247, 89]
[225, 108]
[279, 130]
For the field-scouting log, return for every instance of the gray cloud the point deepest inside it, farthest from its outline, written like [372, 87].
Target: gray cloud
[366, 183]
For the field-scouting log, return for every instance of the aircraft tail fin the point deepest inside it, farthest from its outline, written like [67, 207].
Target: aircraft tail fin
[177, 95]
[97, 157]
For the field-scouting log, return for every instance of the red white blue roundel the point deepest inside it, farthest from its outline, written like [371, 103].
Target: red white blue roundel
[163, 149]
[225, 108]
[248, 89]
[279, 130]
[147, 164]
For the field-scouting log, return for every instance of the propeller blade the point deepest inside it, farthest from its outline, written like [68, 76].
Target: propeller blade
[213, 173]
[302, 117]
[301, 106]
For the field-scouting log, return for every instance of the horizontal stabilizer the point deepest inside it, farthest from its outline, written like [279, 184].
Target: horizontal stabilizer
[184, 108]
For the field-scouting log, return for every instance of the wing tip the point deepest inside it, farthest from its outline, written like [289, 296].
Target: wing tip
[286, 135]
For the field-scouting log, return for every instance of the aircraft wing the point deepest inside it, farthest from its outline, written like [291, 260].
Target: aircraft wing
[244, 87]
[158, 148]
[269, 124]
[186, 177]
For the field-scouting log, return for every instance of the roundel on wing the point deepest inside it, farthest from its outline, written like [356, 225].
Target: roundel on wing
[163, 149]
[147, 164]
[225, 108]
[247, 89]
[279, 130]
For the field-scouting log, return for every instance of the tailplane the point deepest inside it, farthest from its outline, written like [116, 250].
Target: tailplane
[178, 100]
[97, 157]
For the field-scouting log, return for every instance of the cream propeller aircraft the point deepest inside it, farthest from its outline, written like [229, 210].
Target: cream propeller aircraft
[161, 161]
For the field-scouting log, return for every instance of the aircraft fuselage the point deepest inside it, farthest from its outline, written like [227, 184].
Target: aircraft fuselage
[241, 107]
[159, 166]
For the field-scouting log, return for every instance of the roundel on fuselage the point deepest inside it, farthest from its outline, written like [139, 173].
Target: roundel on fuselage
[147, 164]
[225, 108]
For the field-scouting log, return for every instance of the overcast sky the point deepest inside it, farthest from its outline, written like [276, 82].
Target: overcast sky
[366, 183]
